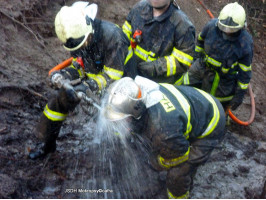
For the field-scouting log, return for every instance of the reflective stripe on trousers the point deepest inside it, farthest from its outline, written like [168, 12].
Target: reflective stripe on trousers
[53, 115]
[243, 86]
[171, 196]
[168, 163]
[224, 99]
[244, 67]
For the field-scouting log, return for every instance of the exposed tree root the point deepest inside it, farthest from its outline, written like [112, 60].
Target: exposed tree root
[23, 89]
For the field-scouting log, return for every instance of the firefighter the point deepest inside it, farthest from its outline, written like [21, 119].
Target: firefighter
[162, 41]
[183, 125]
[224, 54]
[99, 49]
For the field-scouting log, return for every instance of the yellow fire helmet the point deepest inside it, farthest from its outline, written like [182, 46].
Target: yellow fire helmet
[73, 24]
[232, 18]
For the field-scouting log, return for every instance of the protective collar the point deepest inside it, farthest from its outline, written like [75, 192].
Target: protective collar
[150, 89]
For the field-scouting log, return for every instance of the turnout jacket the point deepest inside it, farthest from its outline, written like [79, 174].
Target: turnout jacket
[103, 58]
[167, 41]
[185, 114]
[228, 61]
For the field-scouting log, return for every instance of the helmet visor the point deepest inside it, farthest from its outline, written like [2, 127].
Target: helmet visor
[112, 115]
[228, 29]
[73, 43]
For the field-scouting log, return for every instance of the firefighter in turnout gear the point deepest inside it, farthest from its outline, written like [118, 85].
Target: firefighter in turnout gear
[162, 41]
[98, 48]
[223, 57]
[183, 125]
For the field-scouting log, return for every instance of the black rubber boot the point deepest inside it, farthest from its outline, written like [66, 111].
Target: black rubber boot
[41, 150]
[48, 130]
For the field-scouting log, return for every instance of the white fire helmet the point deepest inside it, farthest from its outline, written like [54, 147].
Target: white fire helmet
[124, 99]
[73, 24]
[232, 18]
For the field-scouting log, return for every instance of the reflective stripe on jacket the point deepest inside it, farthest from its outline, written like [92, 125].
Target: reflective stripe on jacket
[230, 60]
[184, 113]
[104, 58]
[167, 41]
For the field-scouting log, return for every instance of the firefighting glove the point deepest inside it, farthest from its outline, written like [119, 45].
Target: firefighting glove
[83, 87]
[147, 69]
[68, 94]
[237, 99]
[88, 87]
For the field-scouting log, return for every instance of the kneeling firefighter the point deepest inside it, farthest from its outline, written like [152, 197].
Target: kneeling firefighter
[98, 48]
[183, 125]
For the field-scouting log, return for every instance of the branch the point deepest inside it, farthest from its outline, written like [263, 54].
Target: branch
[29, 30]
[4, 130]
[23, 25]
[32, 92]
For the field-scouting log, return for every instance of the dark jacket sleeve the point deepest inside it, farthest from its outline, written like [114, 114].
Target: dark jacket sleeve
[181, 57]
[244, 63]
[199, 49]
[116, 52]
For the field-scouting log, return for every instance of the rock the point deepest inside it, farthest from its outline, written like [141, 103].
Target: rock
[8, 187]
[260, 158]
[262, 147]
[243, 169]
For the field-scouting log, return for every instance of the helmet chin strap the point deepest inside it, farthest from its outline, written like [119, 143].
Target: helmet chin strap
[161, 7]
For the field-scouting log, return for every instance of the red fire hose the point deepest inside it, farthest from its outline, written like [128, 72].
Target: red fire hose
[62, 65]
[252, 100]
[252, 114]
[207, 10]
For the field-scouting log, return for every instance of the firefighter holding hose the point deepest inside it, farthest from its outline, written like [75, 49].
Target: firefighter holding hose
[98, 48]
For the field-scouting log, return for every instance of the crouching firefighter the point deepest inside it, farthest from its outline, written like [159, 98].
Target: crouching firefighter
[223, 57]
[183, 125]
[98, 48]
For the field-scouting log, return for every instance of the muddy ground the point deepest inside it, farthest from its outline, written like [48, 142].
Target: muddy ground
[29, 48]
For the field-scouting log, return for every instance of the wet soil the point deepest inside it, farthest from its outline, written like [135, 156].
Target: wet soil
[29, 48]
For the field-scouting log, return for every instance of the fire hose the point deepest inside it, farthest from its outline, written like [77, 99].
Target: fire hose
[252, 100]
[62, 65]
[58, 82]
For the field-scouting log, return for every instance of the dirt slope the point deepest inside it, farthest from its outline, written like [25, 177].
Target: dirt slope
[29, 48]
